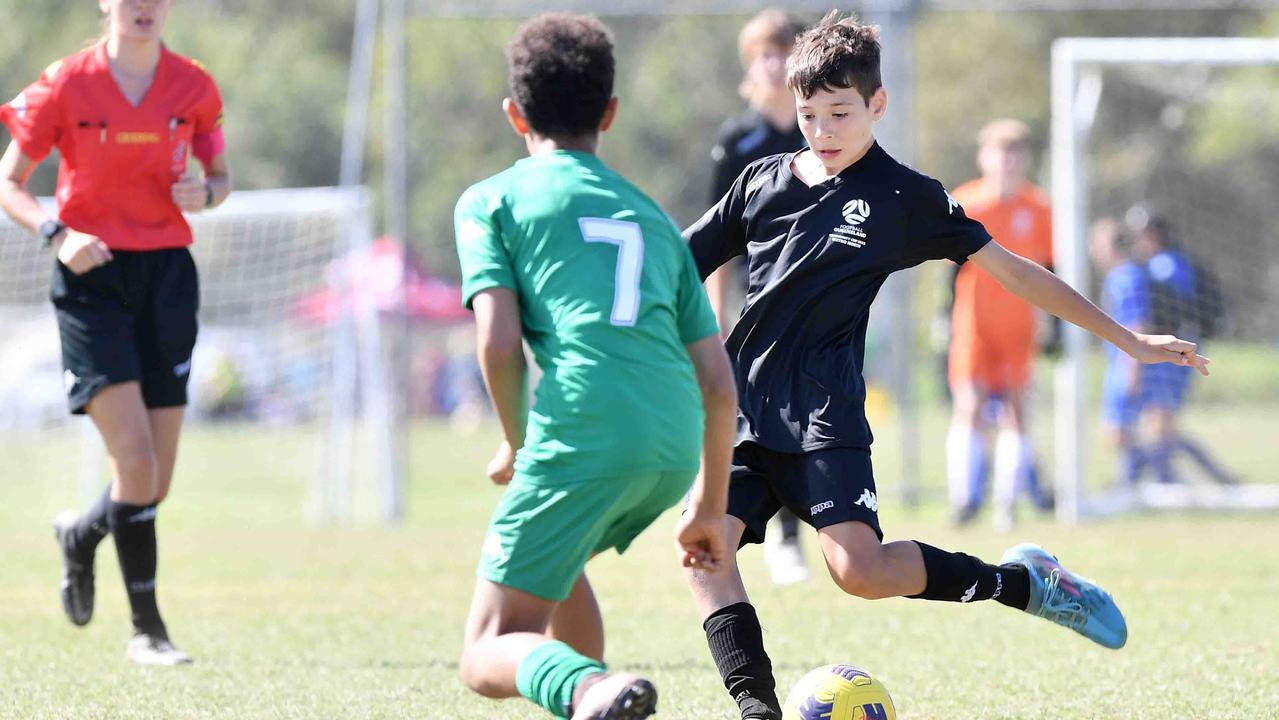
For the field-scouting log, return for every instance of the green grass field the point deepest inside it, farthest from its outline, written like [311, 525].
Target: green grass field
[292, 621]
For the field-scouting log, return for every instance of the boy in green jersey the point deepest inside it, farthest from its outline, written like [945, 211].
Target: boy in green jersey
[562, 252]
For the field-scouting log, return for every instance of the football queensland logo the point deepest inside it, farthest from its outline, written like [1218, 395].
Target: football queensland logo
[856, 212]
[851, 233]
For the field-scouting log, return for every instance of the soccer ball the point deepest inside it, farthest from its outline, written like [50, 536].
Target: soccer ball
[839, 692]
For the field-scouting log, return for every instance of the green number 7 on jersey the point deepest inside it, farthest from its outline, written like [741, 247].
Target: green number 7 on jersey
[630, 261]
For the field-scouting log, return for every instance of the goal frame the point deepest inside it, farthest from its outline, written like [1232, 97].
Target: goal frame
[1076, 93]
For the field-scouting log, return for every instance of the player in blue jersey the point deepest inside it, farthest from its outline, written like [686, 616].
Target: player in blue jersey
[821, 230]
[1125, 294]
[1174, 288]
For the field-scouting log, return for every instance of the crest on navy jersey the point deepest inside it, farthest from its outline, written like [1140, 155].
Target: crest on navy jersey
[856, 212]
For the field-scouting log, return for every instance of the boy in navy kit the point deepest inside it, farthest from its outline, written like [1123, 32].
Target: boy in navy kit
[821, 230]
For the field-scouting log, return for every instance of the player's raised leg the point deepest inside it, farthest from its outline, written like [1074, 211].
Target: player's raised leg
[1027, 579]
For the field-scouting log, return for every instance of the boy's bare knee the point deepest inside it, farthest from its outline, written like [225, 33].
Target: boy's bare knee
[860, 577]
[474, 676]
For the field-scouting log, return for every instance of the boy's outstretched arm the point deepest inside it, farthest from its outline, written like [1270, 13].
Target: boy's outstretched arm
[1045, 290]
[700, 530]
[500, 349]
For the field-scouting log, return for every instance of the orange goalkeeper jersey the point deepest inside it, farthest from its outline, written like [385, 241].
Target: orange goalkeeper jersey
[984, 311]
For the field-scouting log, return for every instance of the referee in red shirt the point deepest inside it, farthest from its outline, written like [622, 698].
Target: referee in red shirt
[124, 114]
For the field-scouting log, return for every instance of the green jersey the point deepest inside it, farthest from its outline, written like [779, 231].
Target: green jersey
[609, 296]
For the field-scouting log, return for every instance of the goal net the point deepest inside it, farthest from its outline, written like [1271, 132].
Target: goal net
[1165, 174]
[288, 358]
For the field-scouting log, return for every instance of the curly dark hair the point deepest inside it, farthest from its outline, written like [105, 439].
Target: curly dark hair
[837, 53]
[561, 73]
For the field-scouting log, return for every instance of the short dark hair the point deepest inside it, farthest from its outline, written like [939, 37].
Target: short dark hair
[837, 53]
[1142, 219]
[561, 73]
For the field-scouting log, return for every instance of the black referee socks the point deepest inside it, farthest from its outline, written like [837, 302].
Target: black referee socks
[133, 527]
[737, 644]
[956, 577]
[92, 526]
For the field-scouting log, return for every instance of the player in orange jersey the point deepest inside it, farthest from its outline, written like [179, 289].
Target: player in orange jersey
[993, 331]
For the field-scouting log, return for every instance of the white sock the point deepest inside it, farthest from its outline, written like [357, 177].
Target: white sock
[1013, 456]
[965, 456]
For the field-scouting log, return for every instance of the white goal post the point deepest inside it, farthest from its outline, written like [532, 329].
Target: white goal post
[1077, 80]
[290, 349]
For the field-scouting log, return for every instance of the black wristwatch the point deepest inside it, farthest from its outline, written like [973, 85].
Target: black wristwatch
[208, 195]
[49, 229]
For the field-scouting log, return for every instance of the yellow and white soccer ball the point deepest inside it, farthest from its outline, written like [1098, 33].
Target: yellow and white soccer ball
[839, 692]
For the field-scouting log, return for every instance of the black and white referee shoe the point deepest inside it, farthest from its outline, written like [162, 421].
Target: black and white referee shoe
[146, 649]
[77, 572]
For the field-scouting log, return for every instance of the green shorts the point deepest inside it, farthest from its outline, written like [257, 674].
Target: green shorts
[541, 535]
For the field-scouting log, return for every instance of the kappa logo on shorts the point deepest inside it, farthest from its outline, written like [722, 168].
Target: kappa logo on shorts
[182, 368]
[821, 506]
[868, 500]
[969, 593]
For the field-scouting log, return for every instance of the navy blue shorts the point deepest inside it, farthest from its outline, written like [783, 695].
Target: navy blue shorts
[822, 487]
[133, 318]
[1165, 385]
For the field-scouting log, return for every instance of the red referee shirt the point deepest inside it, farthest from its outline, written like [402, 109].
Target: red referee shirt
[119, 161]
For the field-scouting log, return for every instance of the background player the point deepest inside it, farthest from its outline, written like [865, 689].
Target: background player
[826, 226]
[561, 250]
[1174, 300]
[1125, 295]
[767, 127]
[124, 114]
[993, 338]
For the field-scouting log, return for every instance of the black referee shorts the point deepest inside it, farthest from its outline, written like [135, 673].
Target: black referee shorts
[822, 487]
[133, 318]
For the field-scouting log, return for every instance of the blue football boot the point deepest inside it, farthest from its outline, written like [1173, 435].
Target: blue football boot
[1067, 599]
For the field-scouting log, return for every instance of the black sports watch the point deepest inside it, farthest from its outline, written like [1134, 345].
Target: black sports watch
[50, 228]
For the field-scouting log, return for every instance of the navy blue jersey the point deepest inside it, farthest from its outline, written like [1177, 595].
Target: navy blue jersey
[743, 140]
[815, 258]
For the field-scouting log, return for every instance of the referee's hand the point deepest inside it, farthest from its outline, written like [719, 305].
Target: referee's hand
[190, 194]
[81, 253]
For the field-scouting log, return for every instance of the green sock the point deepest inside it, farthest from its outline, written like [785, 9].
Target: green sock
[551, 672]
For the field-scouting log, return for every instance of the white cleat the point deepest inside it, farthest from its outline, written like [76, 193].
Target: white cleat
[155, 650]
[786, 564]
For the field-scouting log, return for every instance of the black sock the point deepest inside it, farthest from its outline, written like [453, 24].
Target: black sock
[92, 526]
[737, 645]
[133, 527]
[956, 577]
[790, 525]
